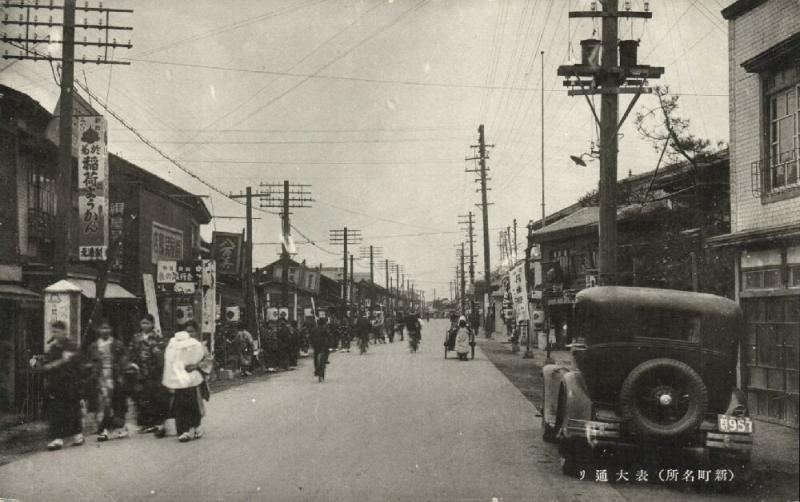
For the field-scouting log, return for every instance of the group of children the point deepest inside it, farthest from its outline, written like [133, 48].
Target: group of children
[166, 378]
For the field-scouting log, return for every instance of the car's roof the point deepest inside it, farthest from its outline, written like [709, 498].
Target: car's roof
[634, 297]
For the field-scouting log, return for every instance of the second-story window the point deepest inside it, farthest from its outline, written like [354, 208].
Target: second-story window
[41, 210]
[780, 171]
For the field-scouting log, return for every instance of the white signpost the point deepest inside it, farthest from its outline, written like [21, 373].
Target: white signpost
[519, 292]
[151, 301]
[62, 302]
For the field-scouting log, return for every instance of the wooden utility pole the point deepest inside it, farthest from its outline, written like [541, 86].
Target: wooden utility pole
[345, 237]
[64, 175]
[614, 75]
[463, 282]
[30, 34]
[352, 282]
[285, 196]
[482, 179]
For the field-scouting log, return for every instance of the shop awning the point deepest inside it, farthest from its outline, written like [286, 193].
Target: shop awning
[754, 236]
[113, 291]
[18, 293]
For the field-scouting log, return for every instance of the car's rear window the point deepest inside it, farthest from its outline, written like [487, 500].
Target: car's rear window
[667, 324]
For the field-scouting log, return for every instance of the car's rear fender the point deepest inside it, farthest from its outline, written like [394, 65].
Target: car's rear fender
[574, 399]
[552, 375]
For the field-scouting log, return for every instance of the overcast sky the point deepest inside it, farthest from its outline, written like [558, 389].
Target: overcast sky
[376, 103]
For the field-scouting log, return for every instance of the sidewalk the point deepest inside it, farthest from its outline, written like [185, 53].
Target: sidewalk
[20, 438]
[776, 449]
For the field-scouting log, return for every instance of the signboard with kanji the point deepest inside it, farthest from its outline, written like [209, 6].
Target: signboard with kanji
[226, 250]
[116, 229]
[519, 292]
[92, 188]
[166, 243]
[166, 271]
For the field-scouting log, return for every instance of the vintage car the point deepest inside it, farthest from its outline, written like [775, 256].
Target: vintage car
[654, 373]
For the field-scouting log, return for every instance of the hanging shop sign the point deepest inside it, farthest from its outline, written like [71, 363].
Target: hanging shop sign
[519, 292]
[116, 228]
[167, 243]
[226, 249]
[208, 282]
[188, 277]
[92, 188]
[166, 271]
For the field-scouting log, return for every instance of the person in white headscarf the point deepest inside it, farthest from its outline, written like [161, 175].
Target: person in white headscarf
[462, 339]
[186, 362]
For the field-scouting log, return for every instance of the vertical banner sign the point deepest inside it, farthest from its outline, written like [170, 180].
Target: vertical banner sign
[150, 300]
[209, 288]
[92, 188]
[117, 225]
[519, 292]
[226, 250]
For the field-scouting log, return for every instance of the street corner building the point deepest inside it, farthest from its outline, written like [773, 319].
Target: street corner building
[764, 47]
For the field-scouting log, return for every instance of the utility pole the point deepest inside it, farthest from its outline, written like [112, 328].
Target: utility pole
[469, 221]
[30, 33]
[617, 73]
[544, 214]
[371, 253]
[345, 237]
[463, 283]
[482, 170]
[285, 196]
[247, 284]
[352, 282]
[515, 240]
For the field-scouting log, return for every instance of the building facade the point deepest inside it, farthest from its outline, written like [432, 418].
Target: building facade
[148, 219]
[764, 77]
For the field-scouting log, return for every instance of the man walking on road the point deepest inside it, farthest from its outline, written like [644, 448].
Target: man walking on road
[320, 342]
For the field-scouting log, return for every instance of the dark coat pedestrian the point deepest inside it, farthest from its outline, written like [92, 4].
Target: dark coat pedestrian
[62, 404]
[321, 343]
[146, 353]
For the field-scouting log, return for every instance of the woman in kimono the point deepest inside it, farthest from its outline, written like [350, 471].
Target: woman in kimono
[186, 365]
[110, 365]
[462, 339]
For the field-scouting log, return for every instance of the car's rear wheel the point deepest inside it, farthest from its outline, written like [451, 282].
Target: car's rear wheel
[663, 398]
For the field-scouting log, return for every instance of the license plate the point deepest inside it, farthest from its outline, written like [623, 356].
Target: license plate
[734, 424]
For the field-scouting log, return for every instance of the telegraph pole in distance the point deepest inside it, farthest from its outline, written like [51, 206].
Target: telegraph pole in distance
[27, 40]
[463, 282]
[468, 220]
[352, 282]
[345, 237]
[617, 73]
[371, 252]
[482, 170]
[285, 196]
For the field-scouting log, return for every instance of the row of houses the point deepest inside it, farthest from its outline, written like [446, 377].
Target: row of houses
[728, 224]
[315, 289]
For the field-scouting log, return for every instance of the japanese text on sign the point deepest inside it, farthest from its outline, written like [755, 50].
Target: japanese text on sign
[92, 188]
[167, 243]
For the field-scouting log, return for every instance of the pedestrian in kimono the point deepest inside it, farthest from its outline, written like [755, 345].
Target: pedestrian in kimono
[269, 346]
[244, 345]
[186, 365]
[344, 334]
[110, 367]
[284, 342]
[146, 353]
[462, 339]
[295, 344]
[62, 405]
